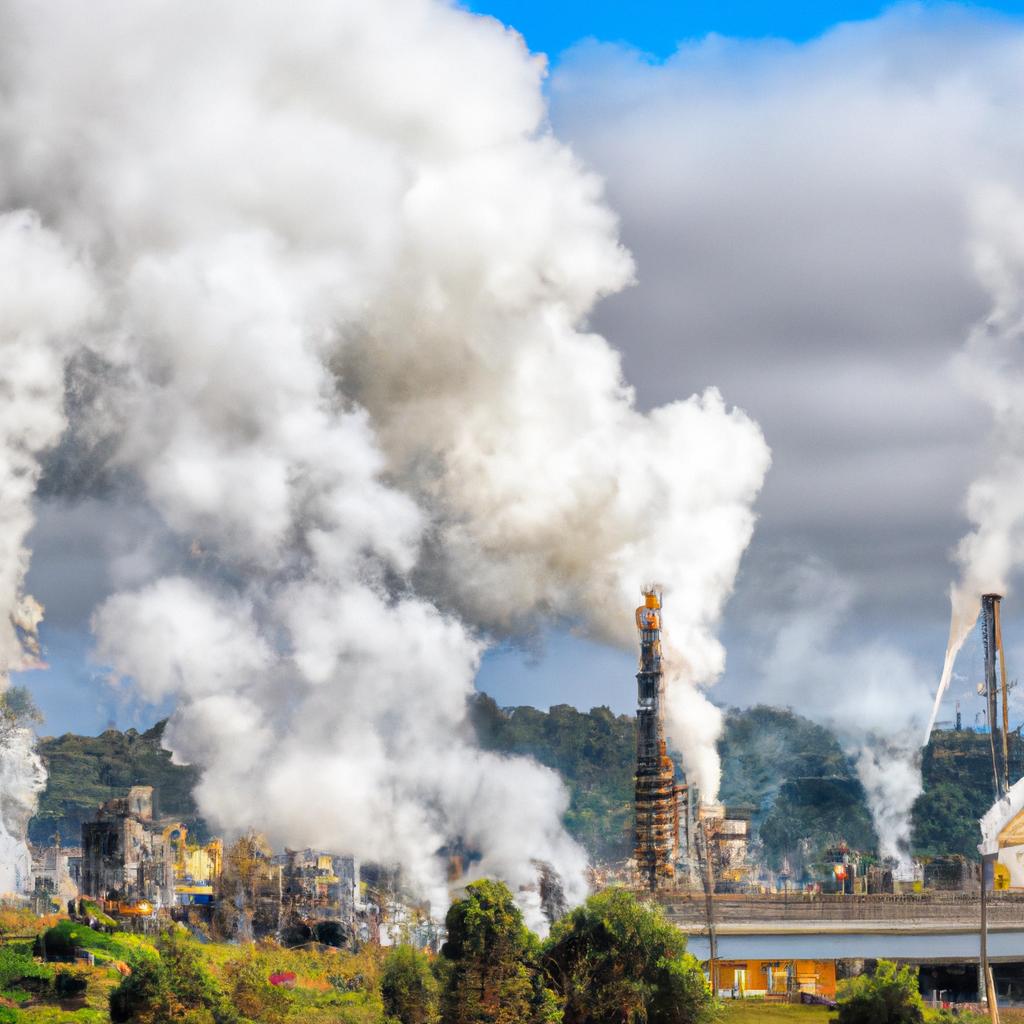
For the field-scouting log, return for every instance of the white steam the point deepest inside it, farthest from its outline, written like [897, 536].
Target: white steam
[346, 271]
[872, 695]
[991, 367]
[44, 297]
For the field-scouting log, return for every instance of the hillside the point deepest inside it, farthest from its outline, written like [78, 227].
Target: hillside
[792, 771]
[593, 751]
[796, 774]
[957, 772]
[84, 771]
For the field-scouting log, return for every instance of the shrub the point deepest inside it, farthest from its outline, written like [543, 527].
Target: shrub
[889, 996]
[408, 987]
[17, 968]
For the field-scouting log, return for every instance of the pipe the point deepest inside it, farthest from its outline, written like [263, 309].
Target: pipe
[986, 969]
[1006, 696]
[709, 908]
[989, 606]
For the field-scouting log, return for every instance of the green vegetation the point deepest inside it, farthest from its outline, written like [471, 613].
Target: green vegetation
[801, 786]
[791, 771]
[888, 996]
[408, 987]
[615, 960]
[175, 978]
[488, 964]
[956, 769]
[796, 775]
[85, 771]
[61, 941]
[595, 752]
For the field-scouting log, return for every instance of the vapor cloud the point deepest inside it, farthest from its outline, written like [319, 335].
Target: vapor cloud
[873, 694]
[817, 228]
[344, 372]
[45, 295]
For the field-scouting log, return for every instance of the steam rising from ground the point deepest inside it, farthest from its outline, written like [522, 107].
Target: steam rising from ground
[992, 368]
[873, 696]
[344, 268]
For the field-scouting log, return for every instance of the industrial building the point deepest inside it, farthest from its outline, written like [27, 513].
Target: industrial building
[197, 866]
[725, 832]
[57, 871]
[781, 979]
[125, 854]
[320, 894]
[675, 833]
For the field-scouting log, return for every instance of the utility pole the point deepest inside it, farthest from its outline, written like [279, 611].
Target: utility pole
[987, 860]
[1006, 698]
[709, 905]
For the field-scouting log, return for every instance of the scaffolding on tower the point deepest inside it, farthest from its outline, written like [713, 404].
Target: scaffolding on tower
[657, 794]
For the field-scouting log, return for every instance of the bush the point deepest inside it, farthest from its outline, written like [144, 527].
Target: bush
[489, 963]
[17, 968]
[409, 988]
[61, 941]
[171, 983]
[889, 996]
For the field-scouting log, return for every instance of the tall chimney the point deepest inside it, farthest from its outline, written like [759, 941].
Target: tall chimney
[991, 633]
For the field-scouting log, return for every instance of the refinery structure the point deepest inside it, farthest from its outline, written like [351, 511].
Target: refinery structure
[680, 841]
[658, 796]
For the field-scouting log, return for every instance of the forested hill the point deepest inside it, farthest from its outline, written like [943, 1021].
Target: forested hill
[85, 771]
[792, 771]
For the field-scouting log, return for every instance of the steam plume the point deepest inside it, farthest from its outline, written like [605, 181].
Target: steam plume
[991, 366]
[44, 296]
[347, 269]
[850, 688]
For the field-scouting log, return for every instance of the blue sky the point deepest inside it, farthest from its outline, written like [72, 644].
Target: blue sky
[655, 26]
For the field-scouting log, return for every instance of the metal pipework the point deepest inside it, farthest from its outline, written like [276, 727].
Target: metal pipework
[992, 636]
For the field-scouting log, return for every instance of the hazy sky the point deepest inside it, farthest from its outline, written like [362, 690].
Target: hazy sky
[797, 194]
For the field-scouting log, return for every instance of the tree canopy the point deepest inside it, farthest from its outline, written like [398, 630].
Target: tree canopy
[616, 960]
[489, 960]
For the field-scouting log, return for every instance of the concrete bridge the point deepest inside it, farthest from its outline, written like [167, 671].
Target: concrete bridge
[920, 928]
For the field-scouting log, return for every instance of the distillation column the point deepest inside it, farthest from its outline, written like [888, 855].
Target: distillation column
[657, 797]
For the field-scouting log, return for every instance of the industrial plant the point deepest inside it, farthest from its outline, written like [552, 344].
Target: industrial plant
[703, 861]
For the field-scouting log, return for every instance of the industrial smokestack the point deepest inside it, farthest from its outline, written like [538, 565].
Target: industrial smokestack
[992, 636]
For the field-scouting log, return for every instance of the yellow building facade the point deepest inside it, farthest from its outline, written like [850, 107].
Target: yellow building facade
[767, 978]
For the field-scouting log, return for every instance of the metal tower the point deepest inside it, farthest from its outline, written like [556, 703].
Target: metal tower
[657, 797]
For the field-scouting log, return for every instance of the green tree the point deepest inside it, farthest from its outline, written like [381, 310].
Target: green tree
[172, 985]
[889, 996]
[408, 987]
[488, 964]
[616, 960]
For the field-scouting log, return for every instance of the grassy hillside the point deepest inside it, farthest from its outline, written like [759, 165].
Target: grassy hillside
[792, 770]
[795, 773]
